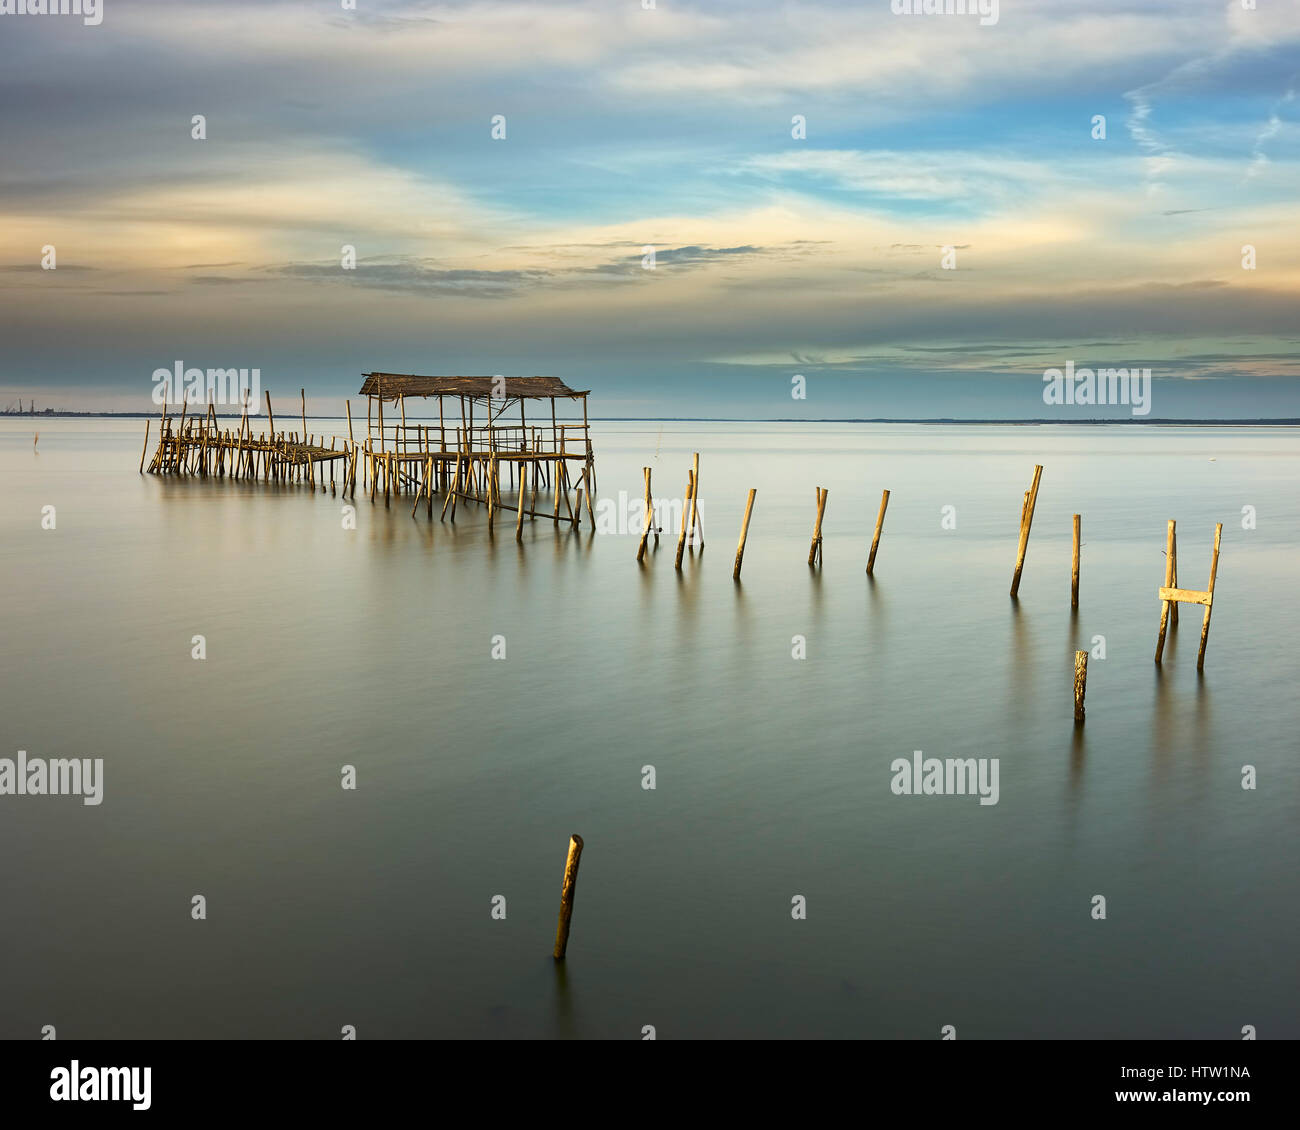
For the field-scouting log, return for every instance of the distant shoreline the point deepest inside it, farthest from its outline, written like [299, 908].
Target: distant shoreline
[942, 421]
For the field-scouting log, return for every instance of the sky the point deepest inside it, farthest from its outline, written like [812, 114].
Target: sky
[914, 213]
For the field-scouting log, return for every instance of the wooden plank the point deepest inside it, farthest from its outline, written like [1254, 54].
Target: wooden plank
[1187, 596]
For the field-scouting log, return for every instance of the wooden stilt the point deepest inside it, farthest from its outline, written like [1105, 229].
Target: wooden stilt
[744, 533]
[455, 486]
[649, 516]
[1169, 584]
[1074, 567]
[686, 506]
[589, 481]
[145, 450]
[815, 550]
[566, 896]
[875, 537]
[1173, 578]
[519, 518]
[1026, 520]
[695, 495]
[1209, 603]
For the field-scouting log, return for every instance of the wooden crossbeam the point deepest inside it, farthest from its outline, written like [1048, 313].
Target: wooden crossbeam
[1187, 596]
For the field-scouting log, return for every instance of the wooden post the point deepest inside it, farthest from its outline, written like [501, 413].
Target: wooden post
[180, 432]
[1074, 567]
[451, 494]
[875, 538]
[304, 414]
[695, 494]
[566, 896]
[1169, 583]
[1173, 578]
[270, 415]
[348, 405]
[1209, 604]
[744, 533]
[1026, 520]
[815, 550]
[649, 516]
[519, 518]
[145, 450]
[686, 506]
[589, 477]
[1080, 682]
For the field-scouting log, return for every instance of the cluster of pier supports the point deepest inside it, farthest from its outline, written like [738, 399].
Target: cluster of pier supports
[459, 470]
[198, 445]
[1170, 594]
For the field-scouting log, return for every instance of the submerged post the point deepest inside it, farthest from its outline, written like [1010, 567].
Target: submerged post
[1209, 593]
[1166, 604]
[695, 496]
[875, 538]
[519, 518]
[566, 896]
[744, 533]
[1026, 520]
[1074, 568]
[815, 550]
[686, 506]
[649, 517]
[1080, 682]
[145, 450]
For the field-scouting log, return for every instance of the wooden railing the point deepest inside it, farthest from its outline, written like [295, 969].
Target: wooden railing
[567, 440]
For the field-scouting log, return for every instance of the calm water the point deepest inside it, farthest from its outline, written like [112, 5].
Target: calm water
[373, 647]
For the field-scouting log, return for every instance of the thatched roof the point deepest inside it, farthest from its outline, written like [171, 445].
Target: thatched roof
[389, 386]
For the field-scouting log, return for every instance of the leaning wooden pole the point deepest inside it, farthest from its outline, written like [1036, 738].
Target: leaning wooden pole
[815, 550]
[519, 518]
[1080, 682]
[1074, 567]
[1209, 603]
[649, 517]
[686, 506]
[1169, 583]
[1026, 520]
[566, 896]
[695, 496]
[1173, 578]
[145, 450]
[880, 524]
[744, 533]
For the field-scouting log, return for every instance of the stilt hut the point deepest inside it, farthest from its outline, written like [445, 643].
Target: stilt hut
[485, 431]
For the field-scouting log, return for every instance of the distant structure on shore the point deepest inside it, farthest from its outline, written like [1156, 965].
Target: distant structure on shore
[10, 410]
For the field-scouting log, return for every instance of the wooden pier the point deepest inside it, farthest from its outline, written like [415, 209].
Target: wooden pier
[466, 456]
[549, 464]
[199, 445]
